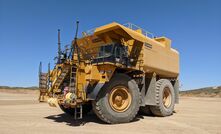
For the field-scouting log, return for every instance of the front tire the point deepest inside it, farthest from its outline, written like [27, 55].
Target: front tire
[118, 101]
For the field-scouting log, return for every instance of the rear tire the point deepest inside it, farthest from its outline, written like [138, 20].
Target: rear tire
[165, 98]
[118, 101]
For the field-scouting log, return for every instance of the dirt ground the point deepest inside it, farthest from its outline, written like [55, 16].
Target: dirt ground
[22, 114]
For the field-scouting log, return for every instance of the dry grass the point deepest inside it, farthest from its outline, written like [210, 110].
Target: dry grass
[21, 90]
[203, 92]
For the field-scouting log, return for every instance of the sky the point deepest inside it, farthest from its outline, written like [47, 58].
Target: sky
[28, 33]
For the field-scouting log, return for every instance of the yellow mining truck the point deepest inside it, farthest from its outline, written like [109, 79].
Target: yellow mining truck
[116, 70]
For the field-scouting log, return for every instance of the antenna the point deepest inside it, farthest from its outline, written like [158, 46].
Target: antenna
[74, 45]
[39, 73]
[59, 47]
[75, 41]
[40, 69]
[48, 76]
[76, 33]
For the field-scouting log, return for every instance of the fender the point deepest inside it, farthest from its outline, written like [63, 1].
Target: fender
[148, 90]
[92, 95]
[176, 91]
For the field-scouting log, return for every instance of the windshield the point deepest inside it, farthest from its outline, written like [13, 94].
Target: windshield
[97, 52]
[105, 51]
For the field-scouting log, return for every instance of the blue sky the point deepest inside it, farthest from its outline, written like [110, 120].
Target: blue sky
[28, 33]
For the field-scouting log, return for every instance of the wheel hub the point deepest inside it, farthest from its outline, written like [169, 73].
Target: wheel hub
[167, 98]
[120, 99]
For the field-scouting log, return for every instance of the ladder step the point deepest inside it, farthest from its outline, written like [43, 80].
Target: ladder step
[43, 78]
[44, 74]
[72, 83]
[63, 74]
[74, 70]
[78, 112]
[59, 78]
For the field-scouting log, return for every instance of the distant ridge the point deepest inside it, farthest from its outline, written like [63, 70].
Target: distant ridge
[8, 87]
[203, 92]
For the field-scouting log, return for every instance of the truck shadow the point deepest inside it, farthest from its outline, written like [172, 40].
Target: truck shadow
[91, 117]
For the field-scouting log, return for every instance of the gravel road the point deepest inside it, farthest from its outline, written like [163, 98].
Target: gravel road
[22, 114]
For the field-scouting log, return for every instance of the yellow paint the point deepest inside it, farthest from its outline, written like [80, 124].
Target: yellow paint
[160, 58]
[148, 55]
[53, 102]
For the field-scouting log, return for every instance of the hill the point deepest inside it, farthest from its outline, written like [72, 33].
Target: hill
[203, 92]
[25, 90]
[8, 87]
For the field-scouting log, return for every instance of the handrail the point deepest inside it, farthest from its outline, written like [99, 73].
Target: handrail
[128, 25]
[135, 27]
[89, 32]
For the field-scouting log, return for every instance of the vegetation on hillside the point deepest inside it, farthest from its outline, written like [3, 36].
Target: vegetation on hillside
[203, 92]
[7, 87]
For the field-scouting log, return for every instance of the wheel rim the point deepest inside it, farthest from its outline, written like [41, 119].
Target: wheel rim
[120, 99]
[167, 97]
